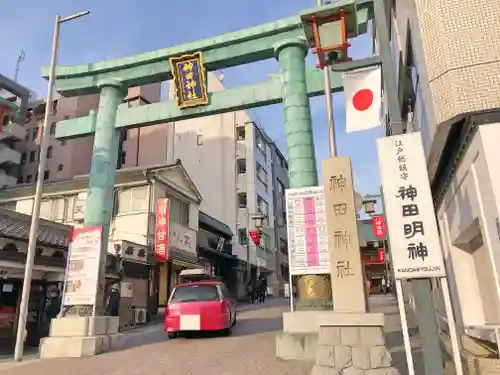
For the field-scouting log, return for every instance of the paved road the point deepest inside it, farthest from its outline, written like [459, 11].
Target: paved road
[249, 350]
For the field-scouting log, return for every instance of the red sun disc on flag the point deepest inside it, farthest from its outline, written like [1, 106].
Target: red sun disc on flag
[362, 99]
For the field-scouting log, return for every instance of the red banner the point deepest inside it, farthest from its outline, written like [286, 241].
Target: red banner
[161, 230]
[255, 237]
[381, 255]
[378, 224]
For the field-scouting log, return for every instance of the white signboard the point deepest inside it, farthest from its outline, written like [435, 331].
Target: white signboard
[307, 232]
[182, 238]
[411, 221]
[83, 267]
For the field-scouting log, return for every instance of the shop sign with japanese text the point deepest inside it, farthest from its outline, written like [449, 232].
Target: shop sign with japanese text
[189, 80]
[82, 272]
[307, 231]
[413, 232]
[161, 230]
[378, 225]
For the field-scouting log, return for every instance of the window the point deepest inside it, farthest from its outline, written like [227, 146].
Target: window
[133, 200]
[262, 206]
[261, 174]
[195, 293]
[265, 241]
[242, 200]
[259, 141]
[29, 178]
[32, 156]
[241, 166]
[243, 236]
[49, 152]
[24, 156]
[46, 175]
[52, 209]
[283, 246]
[240, 133]
[53, 128]
[20, 179]
[63, 143]
[179, 211]
[125, 135]
[123, 157]
[199, 139]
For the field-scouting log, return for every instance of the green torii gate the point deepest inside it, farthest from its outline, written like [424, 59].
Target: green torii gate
[288, 40]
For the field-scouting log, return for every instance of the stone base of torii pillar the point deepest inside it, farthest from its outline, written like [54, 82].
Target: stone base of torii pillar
[74, 337]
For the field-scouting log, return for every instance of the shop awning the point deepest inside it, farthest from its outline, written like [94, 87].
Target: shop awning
[16, 226]
[214, 223]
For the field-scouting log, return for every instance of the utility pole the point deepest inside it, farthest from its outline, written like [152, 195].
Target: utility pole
[20, 59]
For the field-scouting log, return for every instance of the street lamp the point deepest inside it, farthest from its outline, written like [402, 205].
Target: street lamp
[35, 216]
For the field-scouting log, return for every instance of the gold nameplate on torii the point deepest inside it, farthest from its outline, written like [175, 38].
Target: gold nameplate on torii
[189, 79]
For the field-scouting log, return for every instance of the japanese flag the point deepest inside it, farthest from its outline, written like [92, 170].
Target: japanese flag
[363, 95]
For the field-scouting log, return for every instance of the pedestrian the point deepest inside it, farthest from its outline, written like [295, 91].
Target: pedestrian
[384, 285]
[52, 307]
[263, 291]
[250, 293]
[113, 306]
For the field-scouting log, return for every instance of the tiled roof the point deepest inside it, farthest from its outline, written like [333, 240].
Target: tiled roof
[17, 226]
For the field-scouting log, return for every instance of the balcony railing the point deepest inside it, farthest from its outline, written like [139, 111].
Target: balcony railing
[9, 156]
[13, 131]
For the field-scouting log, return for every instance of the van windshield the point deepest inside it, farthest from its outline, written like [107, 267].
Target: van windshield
[195, 293]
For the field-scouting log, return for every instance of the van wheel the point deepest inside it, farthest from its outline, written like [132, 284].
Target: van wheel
[173, 335]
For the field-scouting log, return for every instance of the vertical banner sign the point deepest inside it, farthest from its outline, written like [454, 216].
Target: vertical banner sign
[415, 245]
[378, 225]
[80, 285]
[307, 232]
[346, 269]
[39, 133]
[189, 80]
[255, 237]
[161, 229]
[381, 255]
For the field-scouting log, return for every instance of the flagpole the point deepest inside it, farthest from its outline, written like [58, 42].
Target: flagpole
[329, 106]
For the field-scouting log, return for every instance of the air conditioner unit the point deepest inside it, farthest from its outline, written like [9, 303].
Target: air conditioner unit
[140, 316]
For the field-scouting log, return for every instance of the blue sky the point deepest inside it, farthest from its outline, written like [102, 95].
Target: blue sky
[120, 28]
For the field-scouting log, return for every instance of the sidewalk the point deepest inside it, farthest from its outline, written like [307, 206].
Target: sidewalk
[394, 337]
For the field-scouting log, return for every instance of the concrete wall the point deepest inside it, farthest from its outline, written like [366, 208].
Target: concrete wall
[468, 219]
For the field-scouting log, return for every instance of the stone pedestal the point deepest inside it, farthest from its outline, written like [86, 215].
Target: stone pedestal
[74, 337]
[352, 350]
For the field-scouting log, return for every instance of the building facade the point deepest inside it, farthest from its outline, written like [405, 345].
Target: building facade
[131, 234]
[229, 155]
[226, 155]
[446, 58]
[13, 102]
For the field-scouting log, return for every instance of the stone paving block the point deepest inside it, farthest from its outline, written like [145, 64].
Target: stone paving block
[371, 336]
[361, 357]
[343, 356]
[349, 336]
[382, 371]
[329, 335]
[325, 356]
[325, 370]
[353, 371]
[380, 357]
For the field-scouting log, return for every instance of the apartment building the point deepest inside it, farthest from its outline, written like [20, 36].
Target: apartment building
[446, 59]
[13, 101]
